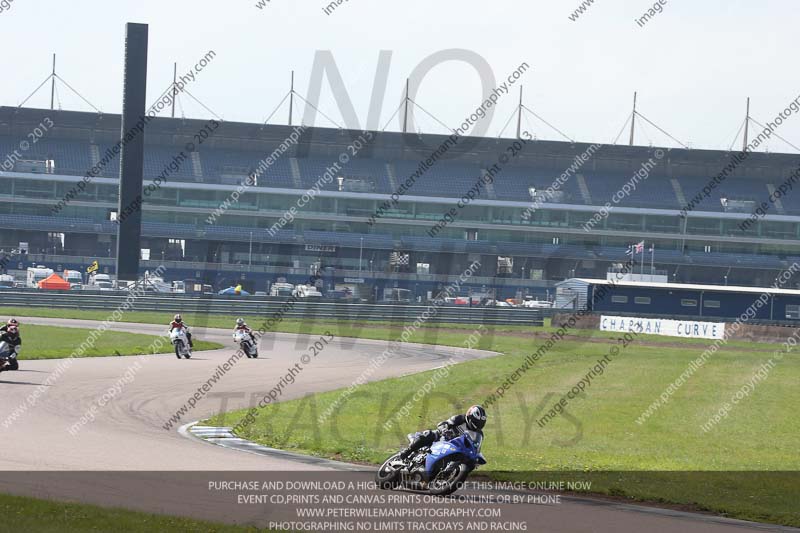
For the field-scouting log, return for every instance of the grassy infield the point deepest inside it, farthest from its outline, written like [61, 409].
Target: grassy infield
[42, 516]
[760, 434]
[49, 342]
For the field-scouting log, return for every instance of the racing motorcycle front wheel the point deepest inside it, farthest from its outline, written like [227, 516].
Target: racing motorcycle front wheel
[449, 478]
[388, 477]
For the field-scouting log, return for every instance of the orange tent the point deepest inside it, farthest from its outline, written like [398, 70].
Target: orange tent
[54, 283]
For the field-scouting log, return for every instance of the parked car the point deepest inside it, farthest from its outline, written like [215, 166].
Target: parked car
[537, 304]
[73, 277]
[307, 292]
[101, 282]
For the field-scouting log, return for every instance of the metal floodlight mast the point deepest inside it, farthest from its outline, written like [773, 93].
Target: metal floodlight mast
[129, 233]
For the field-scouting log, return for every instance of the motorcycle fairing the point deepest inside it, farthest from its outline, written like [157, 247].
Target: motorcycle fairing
[461, 445]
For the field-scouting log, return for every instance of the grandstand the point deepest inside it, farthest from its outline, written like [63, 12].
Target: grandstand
[332, 231]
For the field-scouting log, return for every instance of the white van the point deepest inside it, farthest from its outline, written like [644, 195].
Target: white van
[102, 282]
[37, 274]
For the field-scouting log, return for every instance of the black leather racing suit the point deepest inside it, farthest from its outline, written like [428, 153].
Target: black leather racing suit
[16, 340]
[455, 425]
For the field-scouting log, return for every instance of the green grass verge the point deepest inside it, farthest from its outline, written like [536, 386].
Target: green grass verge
[377, 330]
[44, 516]
[50, 342]
[599, 433]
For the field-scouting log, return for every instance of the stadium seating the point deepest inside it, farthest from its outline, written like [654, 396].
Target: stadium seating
[71, 157]
[732, 188]
[448, 179]
[158, 160]
[656, 193]
[444, 179]
[369, 170]
[219, 163]
[387, 242]
[514, 184]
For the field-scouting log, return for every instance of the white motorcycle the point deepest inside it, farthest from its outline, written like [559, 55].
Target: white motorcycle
[247, 343]
[8, 356]
[181, 343]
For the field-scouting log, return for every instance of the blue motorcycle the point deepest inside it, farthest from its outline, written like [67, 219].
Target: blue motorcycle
[439, 470]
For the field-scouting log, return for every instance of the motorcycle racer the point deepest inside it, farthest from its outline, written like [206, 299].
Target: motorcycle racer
[177, 323]
[246, 339]
[11, 322]
[241, 325]
[474, 421]
[11, 336]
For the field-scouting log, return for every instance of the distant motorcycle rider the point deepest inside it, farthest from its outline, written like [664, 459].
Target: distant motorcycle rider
[177, 323]
[11, 336]
[474, 421]
[11, 322]
[251, 348]
[241, 325]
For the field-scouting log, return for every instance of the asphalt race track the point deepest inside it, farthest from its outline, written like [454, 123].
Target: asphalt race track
[128, 433]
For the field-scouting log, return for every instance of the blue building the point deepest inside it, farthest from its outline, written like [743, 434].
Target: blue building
[664, 300]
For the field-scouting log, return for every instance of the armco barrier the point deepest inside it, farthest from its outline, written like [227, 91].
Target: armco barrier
[262, 307]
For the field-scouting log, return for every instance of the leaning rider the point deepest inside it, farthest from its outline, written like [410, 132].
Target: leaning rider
[11, 336]
[11, 322]
[177, 323]
[242, 326]
[473, 421]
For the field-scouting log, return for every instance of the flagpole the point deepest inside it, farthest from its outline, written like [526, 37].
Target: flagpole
[652, 259]
[642, 260]
[632, 255]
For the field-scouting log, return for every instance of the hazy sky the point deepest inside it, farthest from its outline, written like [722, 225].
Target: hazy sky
[693, 64]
